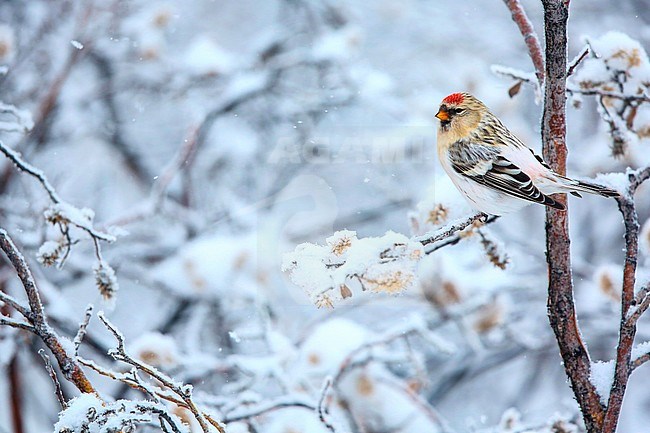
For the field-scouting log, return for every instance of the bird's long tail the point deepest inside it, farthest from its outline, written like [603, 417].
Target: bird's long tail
[575, 187]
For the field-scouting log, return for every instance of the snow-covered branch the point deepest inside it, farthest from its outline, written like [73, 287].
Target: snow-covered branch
[169, 389]
[328, 273]
[63, 215]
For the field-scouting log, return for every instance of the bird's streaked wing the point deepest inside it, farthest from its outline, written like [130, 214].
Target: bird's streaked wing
[484, 165]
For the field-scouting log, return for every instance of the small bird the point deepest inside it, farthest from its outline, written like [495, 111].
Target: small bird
[492, 168]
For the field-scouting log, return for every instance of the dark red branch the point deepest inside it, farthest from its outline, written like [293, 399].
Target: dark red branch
[13, 377]
[530, 37]
[631, 309]
[16, 395]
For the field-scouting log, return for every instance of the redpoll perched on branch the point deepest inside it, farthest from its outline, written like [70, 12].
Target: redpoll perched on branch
[491, 167]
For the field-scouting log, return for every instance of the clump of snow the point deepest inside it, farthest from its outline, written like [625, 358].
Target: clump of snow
[88, 413]
[75, 416]
[78, 45]
[205, 57]
[294, 420]
[614, 52]
[602, 377]
[69, 346]
[155, 349]
[324, 349]
[337, 45]
[640, 349]
[618, 181]
[439, 286]
[381, 264]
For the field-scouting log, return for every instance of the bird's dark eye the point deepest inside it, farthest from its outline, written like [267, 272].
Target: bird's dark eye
[458, 110]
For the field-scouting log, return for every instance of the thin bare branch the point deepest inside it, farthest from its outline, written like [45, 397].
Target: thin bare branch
[81, 333]
[241, 414]
[24, 166]
[55, 380]
[451, 234]
[613, 95]
[530, 37]
[577, 60]
[639, 361]
[183, 391]
[8, 321]
[323, 414]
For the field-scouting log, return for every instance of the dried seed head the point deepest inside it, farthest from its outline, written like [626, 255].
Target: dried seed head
[494, 251]
[438, 215]
[345, 291]
[105, 280]
[49, 253]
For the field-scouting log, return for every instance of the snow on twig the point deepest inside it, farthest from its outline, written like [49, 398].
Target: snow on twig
[181, 393]
[379, 264]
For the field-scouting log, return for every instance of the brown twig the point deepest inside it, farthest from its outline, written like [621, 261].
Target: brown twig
[530, 37]
[577, 60]
[561, 306]
[451, 234]
[55, 380]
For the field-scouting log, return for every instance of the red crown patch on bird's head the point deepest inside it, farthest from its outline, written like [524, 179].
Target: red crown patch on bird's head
[454, 98]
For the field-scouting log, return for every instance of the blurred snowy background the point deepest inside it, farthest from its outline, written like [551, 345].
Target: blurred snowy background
[212, 137]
